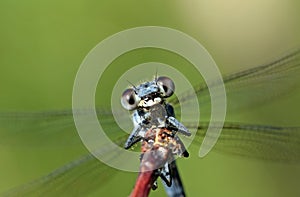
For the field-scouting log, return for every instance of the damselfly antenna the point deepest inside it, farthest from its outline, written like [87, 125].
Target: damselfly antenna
[133, 86]
[156, 75]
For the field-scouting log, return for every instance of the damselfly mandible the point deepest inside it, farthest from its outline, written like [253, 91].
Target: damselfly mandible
[85, 175]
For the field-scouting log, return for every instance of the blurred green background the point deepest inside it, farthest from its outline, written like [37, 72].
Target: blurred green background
[43, 43]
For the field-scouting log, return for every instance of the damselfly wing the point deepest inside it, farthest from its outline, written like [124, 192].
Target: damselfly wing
[246, 90]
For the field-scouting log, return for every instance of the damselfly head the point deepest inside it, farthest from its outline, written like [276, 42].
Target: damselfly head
[147, 94]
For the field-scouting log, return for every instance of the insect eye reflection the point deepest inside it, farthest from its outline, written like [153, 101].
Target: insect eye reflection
[166, 85]
[129, 99]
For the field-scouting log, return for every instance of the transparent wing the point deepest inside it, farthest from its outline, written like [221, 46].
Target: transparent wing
[251, 87]
[18, 128]
[72, 175]
[55, 131]
[273, 143]
[248, 90]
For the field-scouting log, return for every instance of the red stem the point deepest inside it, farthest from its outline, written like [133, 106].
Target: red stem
[143, 184]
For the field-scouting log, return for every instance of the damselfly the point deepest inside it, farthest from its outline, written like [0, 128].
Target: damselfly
[85, 175]
[156, 126]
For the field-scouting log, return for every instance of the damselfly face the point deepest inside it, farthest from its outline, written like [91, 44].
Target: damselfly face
[148, 94]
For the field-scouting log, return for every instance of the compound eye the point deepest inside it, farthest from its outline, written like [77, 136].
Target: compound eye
[166, 86]
[129, 99]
